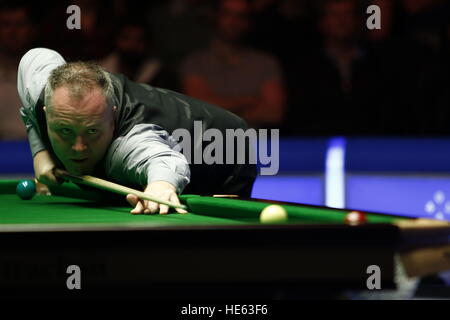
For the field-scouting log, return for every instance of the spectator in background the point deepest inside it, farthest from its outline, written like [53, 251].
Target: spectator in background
[424, 25]
[229, 74]
[411, 75]
[276, 23]
[131, 54]
[93, 41]
[17, 33]
[434, 33]
[334, 90]
[443, 95]
[424, 20]
[179, 28]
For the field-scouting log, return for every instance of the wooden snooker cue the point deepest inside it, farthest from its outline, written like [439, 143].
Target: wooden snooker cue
[112, 187]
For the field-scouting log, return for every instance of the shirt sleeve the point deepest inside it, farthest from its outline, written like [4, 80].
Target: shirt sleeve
[33, 72]
[34, 137]
[146, 154]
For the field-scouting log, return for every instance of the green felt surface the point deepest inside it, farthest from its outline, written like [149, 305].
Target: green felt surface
[250, 210]
[74, 205]
[70, 204]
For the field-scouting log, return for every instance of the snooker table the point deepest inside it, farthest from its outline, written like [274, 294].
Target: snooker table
[219, 249]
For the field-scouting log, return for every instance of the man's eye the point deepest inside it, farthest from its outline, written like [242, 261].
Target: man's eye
[92, 131]
[65, 131]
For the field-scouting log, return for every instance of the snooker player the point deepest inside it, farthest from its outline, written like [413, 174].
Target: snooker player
[88, 121]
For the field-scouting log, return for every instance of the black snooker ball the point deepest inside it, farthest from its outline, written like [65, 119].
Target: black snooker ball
[26, 189]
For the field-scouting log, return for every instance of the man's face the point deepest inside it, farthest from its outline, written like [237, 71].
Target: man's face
[131, 41]
[233, 20]
[339, 21]
[80, 130]
[16, 31]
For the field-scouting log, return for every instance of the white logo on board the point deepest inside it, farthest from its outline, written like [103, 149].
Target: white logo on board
[438, 207]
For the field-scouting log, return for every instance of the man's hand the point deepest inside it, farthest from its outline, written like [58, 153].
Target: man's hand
[158, 189]
[41, 188]
[43, 169]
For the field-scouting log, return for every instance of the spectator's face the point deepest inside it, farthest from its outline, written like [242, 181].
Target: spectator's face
[131, 41]
[80, 130]
[16, 31]
[233, 20]
[415, 6]
[339, 21]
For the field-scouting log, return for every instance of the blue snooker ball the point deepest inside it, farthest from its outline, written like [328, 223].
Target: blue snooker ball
[26, 189]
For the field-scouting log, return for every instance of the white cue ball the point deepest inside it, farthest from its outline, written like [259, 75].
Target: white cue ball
[273, 214]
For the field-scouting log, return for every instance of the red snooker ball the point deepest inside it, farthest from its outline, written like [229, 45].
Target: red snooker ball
[355, 218]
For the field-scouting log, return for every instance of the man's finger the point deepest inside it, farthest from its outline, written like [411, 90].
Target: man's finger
[147, 210]
[138, 209]
[42, 188]
[174, 199]
[163, 209]
[152, 207]
[132, 199]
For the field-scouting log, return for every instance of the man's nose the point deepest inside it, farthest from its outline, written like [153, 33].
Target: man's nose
[79, 145]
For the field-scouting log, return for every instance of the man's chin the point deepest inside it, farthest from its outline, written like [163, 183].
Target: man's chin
[79, 171]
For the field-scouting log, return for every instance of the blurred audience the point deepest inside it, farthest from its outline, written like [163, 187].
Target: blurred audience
[179, 27]
[424, 20]
[334, 89]
[278, 24]
[308, 67]
[234, 76]
[132, 55]
[92, 41]
[411, 78]
[17, 33]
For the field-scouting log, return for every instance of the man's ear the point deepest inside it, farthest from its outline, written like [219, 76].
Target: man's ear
[45, 109]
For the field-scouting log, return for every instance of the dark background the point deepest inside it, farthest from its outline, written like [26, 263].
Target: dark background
[395, 81]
